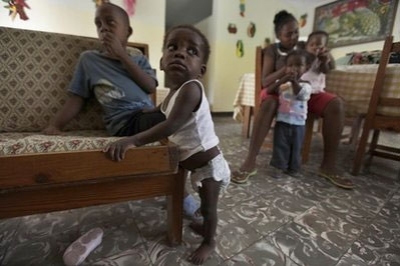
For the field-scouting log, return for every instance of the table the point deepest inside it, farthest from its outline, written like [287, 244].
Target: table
[244, 96]
[352, 83]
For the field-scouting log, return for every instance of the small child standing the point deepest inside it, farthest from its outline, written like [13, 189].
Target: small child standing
[189, 125]
[292, 113]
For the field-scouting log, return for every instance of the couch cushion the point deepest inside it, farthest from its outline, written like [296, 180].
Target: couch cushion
[32, 143]
[36, 68]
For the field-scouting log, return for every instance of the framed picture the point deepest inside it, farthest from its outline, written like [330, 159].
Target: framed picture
[356, 21]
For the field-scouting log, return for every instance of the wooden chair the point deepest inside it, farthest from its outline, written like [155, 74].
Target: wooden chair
[376, 121]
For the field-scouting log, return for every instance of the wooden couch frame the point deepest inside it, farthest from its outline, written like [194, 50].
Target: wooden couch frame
[41, 183]
[45, 182]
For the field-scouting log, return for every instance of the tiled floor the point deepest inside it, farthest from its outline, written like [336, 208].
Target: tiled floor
[286, 221]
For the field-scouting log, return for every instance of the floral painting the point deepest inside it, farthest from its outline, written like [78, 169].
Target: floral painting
[356, 21]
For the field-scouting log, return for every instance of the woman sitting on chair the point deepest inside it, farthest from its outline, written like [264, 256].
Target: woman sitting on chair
[325, 105]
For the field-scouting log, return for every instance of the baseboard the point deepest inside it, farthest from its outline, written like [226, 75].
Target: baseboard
[222, 114]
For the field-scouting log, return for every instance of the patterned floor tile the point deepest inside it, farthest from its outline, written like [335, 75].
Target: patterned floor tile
[347, 210]
[8, 229]
[120, 234]
[103, 213]
[46, 250]
[262, 218]
[349, 259]
[329, 227]
[299, 245]
[233, 234]
[136, 256]
[42, 225]
[263, 252]
[267, 221]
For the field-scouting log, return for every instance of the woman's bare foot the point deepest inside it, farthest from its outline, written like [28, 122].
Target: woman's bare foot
[201, 254]
[197, 228]
[248, 166]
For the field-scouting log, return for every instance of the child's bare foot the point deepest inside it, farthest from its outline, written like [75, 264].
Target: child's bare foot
[197, 228]
[201, 254]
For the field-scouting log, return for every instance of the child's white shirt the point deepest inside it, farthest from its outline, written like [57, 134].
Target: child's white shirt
[198, 133]
[315, 77]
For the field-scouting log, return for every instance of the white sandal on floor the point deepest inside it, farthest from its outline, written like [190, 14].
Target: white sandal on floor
[77, 252]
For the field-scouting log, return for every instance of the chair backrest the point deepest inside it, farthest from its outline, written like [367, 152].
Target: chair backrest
[376, 96]
[258, 78]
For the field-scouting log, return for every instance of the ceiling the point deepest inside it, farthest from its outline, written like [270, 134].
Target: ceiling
[186, 11]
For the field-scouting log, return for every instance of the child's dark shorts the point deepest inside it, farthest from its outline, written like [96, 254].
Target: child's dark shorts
[139, 122]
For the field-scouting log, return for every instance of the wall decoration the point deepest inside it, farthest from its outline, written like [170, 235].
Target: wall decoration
[100, 2]
[251, 30]
[356, 21]
[242, 7]
[232, 29]
[239, 48]
[17, 7]
[130, 6]
[303, 20]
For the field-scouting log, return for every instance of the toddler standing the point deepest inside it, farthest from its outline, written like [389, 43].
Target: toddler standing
[189, 125]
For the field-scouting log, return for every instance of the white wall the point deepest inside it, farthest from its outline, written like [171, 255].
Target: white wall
[76, 17]
[224, 68]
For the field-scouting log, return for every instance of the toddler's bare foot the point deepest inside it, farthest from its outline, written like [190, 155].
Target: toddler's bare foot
[197, 228]
[201, 254]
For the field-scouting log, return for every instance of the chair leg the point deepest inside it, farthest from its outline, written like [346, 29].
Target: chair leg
[372, 146]
[359, 155]
[307, 139]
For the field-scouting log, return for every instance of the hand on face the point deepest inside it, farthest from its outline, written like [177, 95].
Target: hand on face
[292, 74]
[112, 44]
[323, 55]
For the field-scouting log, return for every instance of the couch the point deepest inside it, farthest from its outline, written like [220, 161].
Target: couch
[40, 173]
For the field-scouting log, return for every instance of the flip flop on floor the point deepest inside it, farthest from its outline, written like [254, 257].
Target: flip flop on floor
[241, 177]
[77, 252]
[337, 180]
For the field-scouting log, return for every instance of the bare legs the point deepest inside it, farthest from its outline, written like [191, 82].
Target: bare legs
[261, 125]
[209, 193]
[333, 116]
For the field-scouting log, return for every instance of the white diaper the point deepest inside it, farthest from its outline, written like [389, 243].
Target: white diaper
[217, 168]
